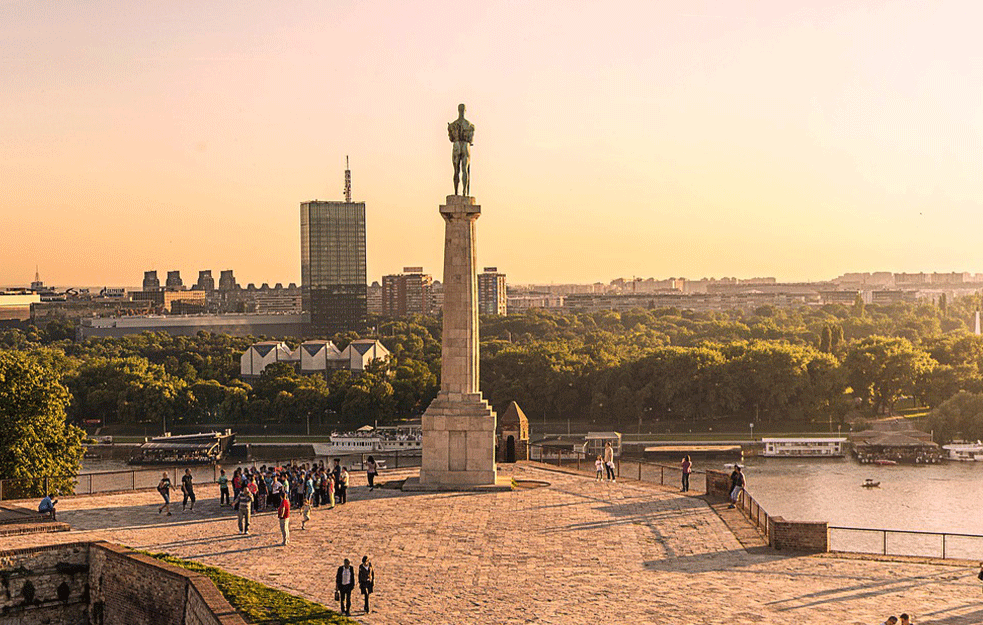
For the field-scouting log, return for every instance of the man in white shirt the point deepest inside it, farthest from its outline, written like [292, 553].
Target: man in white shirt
[344, 584]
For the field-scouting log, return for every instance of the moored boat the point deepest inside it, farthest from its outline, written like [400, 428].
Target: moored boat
[201, 448]
[964, 452]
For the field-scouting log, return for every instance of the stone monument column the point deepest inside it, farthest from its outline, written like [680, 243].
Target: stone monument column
[459, 426]
[459, 349]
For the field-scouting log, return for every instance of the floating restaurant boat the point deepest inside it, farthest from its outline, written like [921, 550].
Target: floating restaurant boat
[964, 452]
[888, 447]
[203, 448]
[383, 439]
[804, 447]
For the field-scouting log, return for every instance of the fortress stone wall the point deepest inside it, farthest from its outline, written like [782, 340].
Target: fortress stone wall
[108, 585]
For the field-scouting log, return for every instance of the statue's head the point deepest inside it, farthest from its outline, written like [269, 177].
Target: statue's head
[460, 109]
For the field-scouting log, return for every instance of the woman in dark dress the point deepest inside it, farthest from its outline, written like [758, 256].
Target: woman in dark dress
[366, 580]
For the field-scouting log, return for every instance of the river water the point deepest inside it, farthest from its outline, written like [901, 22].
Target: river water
[935, 498]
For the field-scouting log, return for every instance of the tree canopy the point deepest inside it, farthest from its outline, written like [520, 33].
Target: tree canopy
[35, 439]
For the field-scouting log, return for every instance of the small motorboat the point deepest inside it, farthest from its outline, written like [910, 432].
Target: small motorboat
[733, 465]
[869, 483]
[883, 462]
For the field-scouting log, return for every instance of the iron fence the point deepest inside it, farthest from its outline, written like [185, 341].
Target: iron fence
[942, 545]
[641, 470]
[101, 482]
[754, 512]
[139, 479]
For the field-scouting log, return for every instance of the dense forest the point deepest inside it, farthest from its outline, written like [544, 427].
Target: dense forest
[632, 369]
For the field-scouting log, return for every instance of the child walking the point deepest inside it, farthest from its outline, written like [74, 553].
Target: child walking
[599, 468]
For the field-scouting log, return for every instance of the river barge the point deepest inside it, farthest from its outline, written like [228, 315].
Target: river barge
[804, 447]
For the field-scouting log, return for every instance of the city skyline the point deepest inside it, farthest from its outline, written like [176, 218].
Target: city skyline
[683, 139]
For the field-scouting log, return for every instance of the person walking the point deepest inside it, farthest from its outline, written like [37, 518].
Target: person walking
[262, 489]
[366, 580]
[599, 469]
[344, 585]
[371, 470]
[331, 491]
[223, 490]
[164, 488]
[687, 466]
[188, 488]
[736, 485]
[905, 619]
[283, 513]
[244, 504]
[308, 501]
[343, 486]
[609, 460]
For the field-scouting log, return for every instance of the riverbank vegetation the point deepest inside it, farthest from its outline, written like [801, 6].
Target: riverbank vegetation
[660, 370]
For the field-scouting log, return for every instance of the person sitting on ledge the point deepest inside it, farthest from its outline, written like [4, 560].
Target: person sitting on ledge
[47, 506]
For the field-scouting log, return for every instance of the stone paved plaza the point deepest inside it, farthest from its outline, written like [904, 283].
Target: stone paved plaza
[573, 552]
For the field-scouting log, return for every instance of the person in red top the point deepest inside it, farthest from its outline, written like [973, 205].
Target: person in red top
[253, 488]
[283, 513]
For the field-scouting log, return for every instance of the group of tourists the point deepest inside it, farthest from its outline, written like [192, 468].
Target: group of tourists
[281, 488]
[253, 490]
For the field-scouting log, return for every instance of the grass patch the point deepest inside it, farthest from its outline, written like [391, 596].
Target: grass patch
[257, 603]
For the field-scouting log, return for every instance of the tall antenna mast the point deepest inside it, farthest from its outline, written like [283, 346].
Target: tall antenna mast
[348, 182]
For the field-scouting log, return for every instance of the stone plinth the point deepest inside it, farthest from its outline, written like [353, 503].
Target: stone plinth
[459, 426]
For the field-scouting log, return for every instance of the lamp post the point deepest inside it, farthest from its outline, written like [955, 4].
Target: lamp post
[752, 431]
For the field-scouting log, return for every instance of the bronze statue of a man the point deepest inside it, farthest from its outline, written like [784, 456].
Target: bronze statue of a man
[461, 133]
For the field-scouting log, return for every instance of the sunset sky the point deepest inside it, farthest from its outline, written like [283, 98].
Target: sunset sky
[768, 138]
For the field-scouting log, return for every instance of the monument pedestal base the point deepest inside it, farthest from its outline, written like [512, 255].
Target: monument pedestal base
[458, 444]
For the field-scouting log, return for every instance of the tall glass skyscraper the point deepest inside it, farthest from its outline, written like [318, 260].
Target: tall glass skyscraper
[332, 266]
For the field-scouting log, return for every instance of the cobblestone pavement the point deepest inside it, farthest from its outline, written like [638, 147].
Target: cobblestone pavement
[574, 552]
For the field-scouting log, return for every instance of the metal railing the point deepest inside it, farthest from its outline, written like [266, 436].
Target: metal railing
[943, 545]
[641, 470]
[101, 482]
[754, 512]
[139, 479]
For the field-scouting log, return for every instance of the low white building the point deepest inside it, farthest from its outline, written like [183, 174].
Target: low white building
[261, 355]
[311, 357]
[319, 356]
[361, 352]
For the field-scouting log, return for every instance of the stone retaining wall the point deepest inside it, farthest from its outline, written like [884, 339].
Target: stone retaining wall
[718, 484]
[105, 584]
[805, 536]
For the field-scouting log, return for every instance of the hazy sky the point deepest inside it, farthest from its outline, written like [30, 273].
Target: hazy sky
[795, 139]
